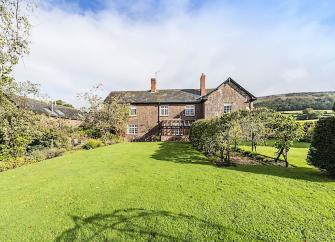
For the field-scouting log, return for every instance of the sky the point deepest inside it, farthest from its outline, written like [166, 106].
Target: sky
[268, 46]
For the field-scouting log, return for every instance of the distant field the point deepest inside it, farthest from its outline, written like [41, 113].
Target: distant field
[298, 101]
[164, 192]
[324, 113]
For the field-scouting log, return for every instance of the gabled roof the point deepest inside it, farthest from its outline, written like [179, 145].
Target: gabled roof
[230, 81]
[171, 95]
[59, 111]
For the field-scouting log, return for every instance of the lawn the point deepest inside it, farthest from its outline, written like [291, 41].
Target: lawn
[164, 191]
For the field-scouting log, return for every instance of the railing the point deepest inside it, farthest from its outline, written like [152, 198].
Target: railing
[176, 123]
[175, 127]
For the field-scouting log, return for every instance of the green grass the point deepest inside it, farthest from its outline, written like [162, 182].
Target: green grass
[271, 143]
[296, 156]
[164, 191]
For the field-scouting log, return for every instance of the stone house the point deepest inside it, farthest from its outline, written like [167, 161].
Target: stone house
[168, 114]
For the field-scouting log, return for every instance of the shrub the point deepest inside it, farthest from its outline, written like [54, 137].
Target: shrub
[322, 151]
[6, 165]
[308, 128]
[44, 154]
[52, 134]
[93, 144]
[110, 139]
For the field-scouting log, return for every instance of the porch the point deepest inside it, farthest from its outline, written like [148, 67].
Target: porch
[175, 129]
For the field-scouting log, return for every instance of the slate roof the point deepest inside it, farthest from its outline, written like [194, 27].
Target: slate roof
[170, 95]
[59, 111]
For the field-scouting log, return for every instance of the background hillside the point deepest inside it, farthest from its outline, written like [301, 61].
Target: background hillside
[298, 101]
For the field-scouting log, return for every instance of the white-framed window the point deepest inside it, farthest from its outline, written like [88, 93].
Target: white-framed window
[132, 129]
[164, 110]
[176, 130]
[133, 110]
[227, 107]
[189, 110]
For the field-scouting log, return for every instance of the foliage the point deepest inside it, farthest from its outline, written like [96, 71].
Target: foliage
[298, 101]
[255, 128]
[286, 130]
[164, 191]
[308, 128]
[14, 42]
[322, 150]
[44, 154]
[309, 114]
[16, 132]
[104, 118]
[93, 144]
[52, 133]
[217, 135]
[64, 104]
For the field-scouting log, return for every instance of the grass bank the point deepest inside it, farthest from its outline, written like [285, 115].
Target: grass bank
[163, 191]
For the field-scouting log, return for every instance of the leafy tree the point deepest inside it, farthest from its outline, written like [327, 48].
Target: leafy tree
[334, 107]
[14, 42]
[309, 114]
[254, 125]
[16, 132]
[322, 151]
[64, 104]
[16, 123]
[104, 119]
[216, 136]
[286, 131]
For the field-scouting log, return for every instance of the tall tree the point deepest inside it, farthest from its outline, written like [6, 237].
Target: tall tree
[14, 42]
[16, 129]
[254, 125]
[286, 131]
[104, 118]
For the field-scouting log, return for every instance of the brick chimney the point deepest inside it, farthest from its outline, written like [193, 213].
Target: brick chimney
[153, 85]
[203, 85]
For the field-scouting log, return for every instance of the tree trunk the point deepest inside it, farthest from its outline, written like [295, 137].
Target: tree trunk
[222, 155]
[228, 156]
[285, 158]
[279, 154]
[252, 142]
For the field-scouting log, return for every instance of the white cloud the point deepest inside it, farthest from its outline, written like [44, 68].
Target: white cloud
[71, 52]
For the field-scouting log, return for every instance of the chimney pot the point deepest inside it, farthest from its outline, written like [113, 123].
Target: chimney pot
[153, 85]
[203, 84]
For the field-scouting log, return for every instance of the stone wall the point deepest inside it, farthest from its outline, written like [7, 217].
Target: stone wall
[147, 119]
[226, 93]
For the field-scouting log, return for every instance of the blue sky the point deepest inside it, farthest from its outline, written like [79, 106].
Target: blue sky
[322, 10]
[268, 46]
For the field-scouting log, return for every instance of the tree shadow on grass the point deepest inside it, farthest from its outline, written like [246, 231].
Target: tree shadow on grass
[298, 173]
[134, 224]
[184, 153]
[179, 152]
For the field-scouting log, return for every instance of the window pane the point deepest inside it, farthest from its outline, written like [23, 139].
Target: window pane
[190, 110]
[133, 111]
[132, 129]
[164, 110]
[227, 108]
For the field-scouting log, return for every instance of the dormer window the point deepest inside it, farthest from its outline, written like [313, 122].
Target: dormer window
[133, 110]
[164, 110]
[189, 110]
